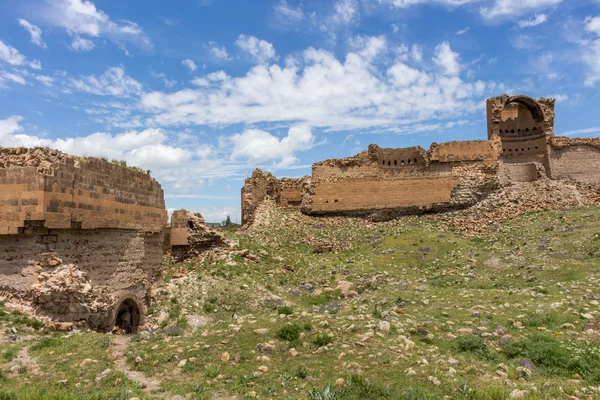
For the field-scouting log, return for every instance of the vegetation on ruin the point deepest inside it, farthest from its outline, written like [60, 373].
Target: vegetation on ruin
[427, 313]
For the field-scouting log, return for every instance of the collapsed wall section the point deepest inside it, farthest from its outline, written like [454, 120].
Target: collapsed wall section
[574, 159]
[79, 237]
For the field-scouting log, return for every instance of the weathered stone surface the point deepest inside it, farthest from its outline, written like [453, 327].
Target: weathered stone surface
[190, 236]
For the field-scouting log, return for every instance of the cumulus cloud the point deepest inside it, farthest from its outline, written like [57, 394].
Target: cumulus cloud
[446, 59]
[260, 50]
[81, 19]
[189, 64]
[538, 19]
[505, 9]
[34, 31]
[13, 57]
[218, 52]
[257, 145]
[319, 90]
[146, 149]
[113, 82]
[9, 76]
[45, 80]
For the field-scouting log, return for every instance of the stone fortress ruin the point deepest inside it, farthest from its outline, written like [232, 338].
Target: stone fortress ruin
[80, 238]
[383, 183]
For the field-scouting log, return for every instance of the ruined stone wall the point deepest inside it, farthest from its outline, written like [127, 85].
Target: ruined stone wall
[290, 192]
[256, 189]
[78, 236]
[179, 228]
[473, 150]
[524, 172]
[351, 167]
[117, 263]
[402, 161]
[65, 192]
[576, 159]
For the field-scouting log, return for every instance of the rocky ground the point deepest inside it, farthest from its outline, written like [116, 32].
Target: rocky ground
[479, 304]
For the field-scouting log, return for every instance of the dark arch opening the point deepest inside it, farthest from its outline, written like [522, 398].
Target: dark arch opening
[128, 316]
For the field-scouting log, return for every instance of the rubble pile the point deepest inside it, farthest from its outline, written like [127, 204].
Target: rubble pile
[200, 239]
[41, 158]
[518, 198]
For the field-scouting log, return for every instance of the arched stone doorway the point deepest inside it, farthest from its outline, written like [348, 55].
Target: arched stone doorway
[128, 316]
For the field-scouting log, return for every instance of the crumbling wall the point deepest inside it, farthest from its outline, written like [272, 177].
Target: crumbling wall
[77, 235]
[524, 172]
[402, 161]
[574, 159]
[190, 236]
[473, 150]
[258, 187]
[351, 167]
[290, 192]
[66, 191]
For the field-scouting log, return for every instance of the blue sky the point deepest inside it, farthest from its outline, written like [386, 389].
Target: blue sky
[202, 92]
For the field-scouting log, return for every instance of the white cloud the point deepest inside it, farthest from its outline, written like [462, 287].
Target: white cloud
[592, 25]
[45, 80]
[591, 53]
[81, 18]
[408, 3]
[35, 32]
[8, 76]
[189, 64]
[584, 131]
[359, 91]
[260, 50]
[447, 60]
[114, 82]
[462, 31]
[146, 149]
[346, 11]
[503, 9]
[218, 52]
[12, 56]
[538, 19]
[292, 14]
[81, 44]
[257, 145]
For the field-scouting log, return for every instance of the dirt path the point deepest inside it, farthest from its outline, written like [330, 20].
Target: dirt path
[119, 345]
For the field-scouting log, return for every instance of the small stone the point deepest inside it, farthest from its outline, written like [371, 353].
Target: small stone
[139, 360]
[261, 331]
[587, 316]
[182, 363]
[434, 380]
[292, 352]
[410, 372]
[501, 374]
[527, 363]
[103, 374]
[225, 357]
[504, 340]
[145, 336]
[518, 394]
[339, 383]
[63, 382]
[263, 368]
[384, 326]
[568, 326]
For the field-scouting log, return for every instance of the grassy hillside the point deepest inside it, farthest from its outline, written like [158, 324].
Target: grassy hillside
[315, 308]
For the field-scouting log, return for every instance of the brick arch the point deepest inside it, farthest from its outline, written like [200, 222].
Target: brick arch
[531, 104]
[131, 303]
